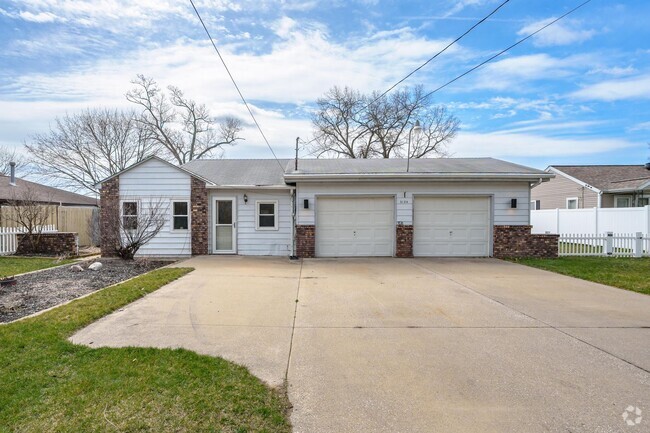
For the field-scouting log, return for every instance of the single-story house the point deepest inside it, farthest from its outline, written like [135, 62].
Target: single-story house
[470, 207]
[589, 186]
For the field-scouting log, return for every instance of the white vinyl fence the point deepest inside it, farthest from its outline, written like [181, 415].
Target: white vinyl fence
[9, 240]
[608, 244]
[590, 221]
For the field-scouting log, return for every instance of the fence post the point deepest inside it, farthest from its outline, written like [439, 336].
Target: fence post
[638, 245]
[609, 245]
[557, 220]
[596, 210]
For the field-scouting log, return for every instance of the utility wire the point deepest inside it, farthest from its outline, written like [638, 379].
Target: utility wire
[235, 84]
[437, 54]
[506, 49]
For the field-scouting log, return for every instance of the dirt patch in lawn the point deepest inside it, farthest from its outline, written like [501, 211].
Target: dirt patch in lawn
[44, 289]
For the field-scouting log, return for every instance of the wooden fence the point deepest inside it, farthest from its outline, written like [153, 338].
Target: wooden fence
[77, 219]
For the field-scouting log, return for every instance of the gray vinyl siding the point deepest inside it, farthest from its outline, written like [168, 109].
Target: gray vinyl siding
[250, 241]
[156, 183]
[500, 193]
[554, 193]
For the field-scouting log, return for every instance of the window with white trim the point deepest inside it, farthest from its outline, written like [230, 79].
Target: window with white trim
[642, 201]
[266, 214]
[622, 201]
[130, 215]
[535, 204]
[572, 203]
[180, 215]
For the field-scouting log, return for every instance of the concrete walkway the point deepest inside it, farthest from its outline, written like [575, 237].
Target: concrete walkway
[409, 345]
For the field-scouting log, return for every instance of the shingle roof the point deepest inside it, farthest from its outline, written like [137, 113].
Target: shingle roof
[236, 172]
[42, 193]
[417, 166]
[608, 177]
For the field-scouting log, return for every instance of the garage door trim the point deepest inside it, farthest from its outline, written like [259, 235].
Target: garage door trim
[349, 196]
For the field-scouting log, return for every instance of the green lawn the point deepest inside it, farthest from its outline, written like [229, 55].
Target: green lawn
[19, 265]
[626, 273]
[48, 384]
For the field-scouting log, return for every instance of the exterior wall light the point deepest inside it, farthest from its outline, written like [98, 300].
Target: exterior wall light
[513, 203]
[245, 198]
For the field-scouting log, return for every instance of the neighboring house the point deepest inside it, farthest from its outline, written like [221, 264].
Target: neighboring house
[589, 186]
[332, 207]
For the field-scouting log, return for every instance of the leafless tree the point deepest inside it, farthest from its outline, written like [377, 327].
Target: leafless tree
[8, 155]
[82, 149]
[30, 211]
[184, 128]
[139, 222]
[349, 124]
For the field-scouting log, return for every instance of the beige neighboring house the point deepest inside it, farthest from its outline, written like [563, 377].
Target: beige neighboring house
[589, 186]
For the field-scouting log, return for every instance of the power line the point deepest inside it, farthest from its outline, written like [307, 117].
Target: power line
[235, 84]
[481, 21]
[506, 49]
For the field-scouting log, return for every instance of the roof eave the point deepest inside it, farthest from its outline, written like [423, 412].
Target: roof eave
[283, 186]
[417, 177]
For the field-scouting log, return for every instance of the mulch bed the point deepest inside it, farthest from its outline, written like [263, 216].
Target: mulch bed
[44, 289]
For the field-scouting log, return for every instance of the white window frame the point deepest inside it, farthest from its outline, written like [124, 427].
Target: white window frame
[629, 201]
[572, 199]
[137, 211]
[638, 201]
[533, 204]
[172, 215]
[276, 208]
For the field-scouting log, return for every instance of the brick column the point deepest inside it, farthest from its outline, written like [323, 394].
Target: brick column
[109, 214]
[518, 242]
[199, 203]
[306, 241]
[404, 241]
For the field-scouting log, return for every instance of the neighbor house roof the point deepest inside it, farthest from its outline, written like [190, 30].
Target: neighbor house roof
[43, 193]
[429, 168]
[240, 172]
[608, 178]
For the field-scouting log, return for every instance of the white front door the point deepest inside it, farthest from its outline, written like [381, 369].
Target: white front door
[355, 226]
[451, 226]
[225, 225]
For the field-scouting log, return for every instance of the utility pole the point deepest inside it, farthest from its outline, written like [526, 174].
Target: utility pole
[297, 140]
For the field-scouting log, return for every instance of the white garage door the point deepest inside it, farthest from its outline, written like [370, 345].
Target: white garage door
[359, 226]
[451, 226]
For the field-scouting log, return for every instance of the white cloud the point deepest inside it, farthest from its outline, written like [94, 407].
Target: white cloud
[296, 70]
[513, 72]
[615, 90]
[560, 33]
[615, 71]
[41, 17]
[643, 126]
[509, 145]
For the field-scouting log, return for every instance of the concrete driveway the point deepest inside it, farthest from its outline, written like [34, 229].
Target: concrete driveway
[410, 345]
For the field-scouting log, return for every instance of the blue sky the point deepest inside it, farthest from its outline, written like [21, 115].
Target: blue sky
[578, 93]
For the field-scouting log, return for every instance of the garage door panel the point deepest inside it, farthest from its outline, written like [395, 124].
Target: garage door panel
[355, 226]
[451, 226]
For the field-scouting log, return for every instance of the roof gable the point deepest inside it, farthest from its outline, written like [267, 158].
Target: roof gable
[608, 177]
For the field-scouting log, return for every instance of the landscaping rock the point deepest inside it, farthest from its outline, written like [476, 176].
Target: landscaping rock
[95, 266]
[76, 268]
[40, 290]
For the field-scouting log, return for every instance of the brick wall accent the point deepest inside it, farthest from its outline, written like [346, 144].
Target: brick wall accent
[109, 214]
[306, 241]
[404, 241]
[199, 203]
[518, 242]
[50, 244]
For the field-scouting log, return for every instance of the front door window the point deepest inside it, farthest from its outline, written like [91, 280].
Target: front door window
[224, 229]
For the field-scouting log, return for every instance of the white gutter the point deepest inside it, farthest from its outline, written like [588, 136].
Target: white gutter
[287, 187]
[418, 177]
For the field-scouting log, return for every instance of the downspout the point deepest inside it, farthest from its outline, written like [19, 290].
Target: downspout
[599, 204]
[293, 225]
